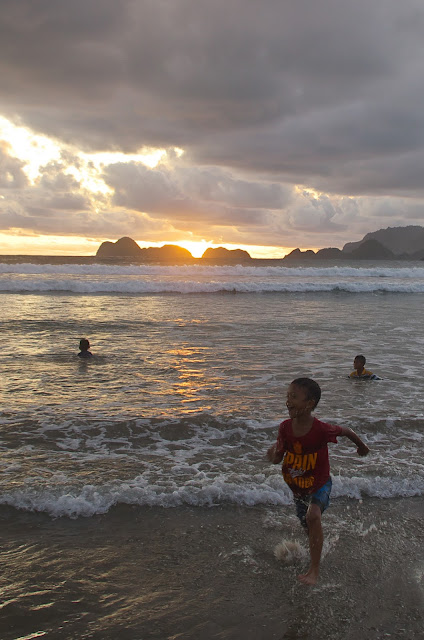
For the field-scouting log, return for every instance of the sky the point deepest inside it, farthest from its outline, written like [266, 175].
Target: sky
[261, 125]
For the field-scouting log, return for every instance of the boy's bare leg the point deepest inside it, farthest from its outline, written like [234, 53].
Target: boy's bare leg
[313, 519]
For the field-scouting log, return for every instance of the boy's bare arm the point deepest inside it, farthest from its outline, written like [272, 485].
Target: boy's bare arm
[362, 448]
[273, 455]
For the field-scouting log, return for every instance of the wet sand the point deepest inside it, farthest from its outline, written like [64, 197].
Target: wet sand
[202, 574]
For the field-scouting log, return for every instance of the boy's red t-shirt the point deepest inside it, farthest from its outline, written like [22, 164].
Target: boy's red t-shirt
[306, 466]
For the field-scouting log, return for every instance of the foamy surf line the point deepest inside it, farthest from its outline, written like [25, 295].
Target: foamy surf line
[95, 500]
[212, 271]
[140, 287]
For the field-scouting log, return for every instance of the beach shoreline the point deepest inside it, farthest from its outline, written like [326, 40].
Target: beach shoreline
[153, 574]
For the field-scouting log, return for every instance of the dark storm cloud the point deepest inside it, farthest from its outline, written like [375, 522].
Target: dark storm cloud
[191, 192]
[125, 73]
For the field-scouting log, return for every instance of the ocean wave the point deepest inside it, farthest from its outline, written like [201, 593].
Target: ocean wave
[135, 286]
[213, 271]
[95, 500]
[90, 279]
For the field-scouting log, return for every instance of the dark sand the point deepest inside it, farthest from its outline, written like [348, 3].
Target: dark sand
[197, 574]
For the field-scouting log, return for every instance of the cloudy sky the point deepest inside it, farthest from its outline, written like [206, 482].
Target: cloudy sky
[265, 125]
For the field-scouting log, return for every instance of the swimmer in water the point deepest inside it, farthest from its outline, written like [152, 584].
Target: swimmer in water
[360, 371]
[84, 346]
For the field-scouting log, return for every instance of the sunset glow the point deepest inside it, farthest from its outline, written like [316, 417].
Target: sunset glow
[197, 249]
[36, 151]
[40, 155]
[32, 149]
[16, 243]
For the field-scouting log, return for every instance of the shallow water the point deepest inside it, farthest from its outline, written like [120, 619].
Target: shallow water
[185, 392]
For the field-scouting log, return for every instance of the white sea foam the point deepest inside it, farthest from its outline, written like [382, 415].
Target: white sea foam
[91, 500]
[166, 285]
[288, 551]
[211, 271]
[157, 279]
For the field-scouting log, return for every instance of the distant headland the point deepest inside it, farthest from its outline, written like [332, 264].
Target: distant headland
[128, 249]
[393, 243]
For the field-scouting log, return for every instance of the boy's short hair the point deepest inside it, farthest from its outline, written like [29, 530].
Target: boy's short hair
[361, 358]
[312, 388]
[84, 344]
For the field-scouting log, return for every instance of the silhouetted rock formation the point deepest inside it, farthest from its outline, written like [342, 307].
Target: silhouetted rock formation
[128, 249]
[297, 254]
[369, 250]
[122, 248]
[372, 250]
[226, 256]
[332, 253]
[402, 241]
[418, 255]
[168, 253]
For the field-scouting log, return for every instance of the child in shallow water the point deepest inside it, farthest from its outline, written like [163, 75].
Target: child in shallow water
[84, 346]
[360, 371]
[302, 447]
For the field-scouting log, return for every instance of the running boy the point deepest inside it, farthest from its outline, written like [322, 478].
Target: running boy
[302, 446]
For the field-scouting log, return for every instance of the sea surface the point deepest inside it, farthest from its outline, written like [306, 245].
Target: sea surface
[167, 426]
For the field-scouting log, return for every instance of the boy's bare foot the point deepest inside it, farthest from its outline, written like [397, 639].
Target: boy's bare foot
[309, 578]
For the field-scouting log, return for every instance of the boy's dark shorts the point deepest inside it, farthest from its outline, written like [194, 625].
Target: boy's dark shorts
[321, 497]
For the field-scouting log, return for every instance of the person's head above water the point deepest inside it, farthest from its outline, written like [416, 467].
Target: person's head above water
[303, 396]
[84, 344]
[359, 363]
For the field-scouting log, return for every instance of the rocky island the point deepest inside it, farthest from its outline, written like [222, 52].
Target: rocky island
[128, 249]
[393, 243]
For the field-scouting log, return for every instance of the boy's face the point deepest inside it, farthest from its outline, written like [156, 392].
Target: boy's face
[297, 402]
[358, 364]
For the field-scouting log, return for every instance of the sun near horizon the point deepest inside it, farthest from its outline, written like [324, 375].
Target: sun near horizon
[19, 244]
[198, 248]
[35, 151]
